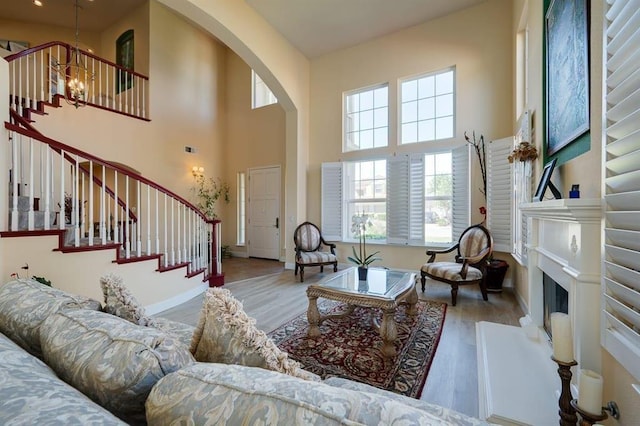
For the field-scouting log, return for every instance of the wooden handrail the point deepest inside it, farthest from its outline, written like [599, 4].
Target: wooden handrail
[69, 47]
[71, 150]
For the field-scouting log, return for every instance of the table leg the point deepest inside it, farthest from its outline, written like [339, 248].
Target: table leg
[388, 332]
[313, 316]
[412, 300]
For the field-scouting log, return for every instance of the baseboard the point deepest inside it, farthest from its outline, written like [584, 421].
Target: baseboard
[521, 302]
[243, 254]
[176, 300]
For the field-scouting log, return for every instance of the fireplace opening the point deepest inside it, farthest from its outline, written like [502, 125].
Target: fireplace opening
[555, 299]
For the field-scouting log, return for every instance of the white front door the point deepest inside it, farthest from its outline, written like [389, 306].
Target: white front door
[264, 213]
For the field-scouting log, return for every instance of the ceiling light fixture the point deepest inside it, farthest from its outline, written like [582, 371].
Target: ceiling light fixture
[37, 3]
[76, 72]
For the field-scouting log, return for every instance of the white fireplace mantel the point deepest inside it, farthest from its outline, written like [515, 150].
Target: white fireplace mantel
[564, 243]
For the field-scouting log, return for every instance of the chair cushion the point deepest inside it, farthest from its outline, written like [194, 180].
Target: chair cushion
[119, 301]
[316, 257]
[450, 271]
[226, 334]
[473, 242]
[109, 359]
[308, 237]
[26, 303]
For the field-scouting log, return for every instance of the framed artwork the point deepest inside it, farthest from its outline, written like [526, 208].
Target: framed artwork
[545, 182]
[54, 77]
[125, 58]
[567, 73]
[14, 46]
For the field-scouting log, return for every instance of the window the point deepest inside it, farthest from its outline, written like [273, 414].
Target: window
[366, 119]
[413, 199]
[124, 58]
[427, 107]
[367, 193]
[241, 209]
[261, 94]
[438, 194]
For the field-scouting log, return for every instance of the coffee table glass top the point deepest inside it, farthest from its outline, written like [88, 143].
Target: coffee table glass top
[380, 281]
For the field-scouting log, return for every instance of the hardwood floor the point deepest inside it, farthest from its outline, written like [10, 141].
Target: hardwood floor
[452, 381]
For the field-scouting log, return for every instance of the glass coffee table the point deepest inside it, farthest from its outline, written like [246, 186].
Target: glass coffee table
[384, 289]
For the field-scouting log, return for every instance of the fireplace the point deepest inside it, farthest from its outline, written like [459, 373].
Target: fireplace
[562, 274]
[554, 299]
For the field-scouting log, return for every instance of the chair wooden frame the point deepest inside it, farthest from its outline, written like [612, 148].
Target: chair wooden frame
[321, 242]
[478, 261]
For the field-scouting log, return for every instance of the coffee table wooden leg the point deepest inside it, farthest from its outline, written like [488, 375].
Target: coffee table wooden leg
[388, 332]
[412, 300]
[313, 316]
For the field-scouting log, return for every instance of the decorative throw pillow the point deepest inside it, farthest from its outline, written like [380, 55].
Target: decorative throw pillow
[120, 302]
[226, 334]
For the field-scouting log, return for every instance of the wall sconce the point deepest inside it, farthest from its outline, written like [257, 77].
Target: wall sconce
[197, 171]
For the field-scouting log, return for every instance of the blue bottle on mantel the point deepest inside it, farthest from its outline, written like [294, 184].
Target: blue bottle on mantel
[575, 191]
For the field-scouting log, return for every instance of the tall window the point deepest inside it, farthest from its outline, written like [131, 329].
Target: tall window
[428, 107]
[412, 199]
[367, 192]
[438, 195]
[124, 58]
[261, 95]
[366, 119]
[241, 209]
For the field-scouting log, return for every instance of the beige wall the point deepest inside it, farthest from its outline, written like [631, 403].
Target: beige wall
[255, 138]
[138, 21]
[37, 34]
[477, 41]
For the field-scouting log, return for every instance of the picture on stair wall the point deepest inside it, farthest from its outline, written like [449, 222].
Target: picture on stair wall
[14, 46]
[54, 77]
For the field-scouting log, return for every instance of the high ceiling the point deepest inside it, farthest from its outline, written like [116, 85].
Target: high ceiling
[315, 27]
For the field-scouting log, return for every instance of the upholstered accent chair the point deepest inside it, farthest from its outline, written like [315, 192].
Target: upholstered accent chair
[473, 249]
[309, 249]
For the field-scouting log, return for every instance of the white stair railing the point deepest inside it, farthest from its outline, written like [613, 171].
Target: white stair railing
[94, 202]
[35, 77]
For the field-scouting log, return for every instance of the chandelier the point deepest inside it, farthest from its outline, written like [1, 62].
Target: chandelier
[76, 72]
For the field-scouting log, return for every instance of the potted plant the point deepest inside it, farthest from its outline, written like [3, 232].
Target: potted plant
[495, 271]
[208, 192]
[359, 223]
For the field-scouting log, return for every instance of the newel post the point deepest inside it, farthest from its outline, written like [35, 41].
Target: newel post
[216, 277]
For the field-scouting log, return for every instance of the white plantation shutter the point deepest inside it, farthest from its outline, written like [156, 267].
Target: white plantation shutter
[500, 194]
[461, 202]
[405, 200]
[398, 200]
[416, 195]
[621, 275]
[331, 201]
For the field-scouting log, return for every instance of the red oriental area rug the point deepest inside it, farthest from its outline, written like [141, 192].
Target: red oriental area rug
[349, 347]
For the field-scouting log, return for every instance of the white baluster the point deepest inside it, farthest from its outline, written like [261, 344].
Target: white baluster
[138, 224]
[47, 187]
[166, 252]
[149, 249]
[157, 223]
[126, 218]
[116, 228]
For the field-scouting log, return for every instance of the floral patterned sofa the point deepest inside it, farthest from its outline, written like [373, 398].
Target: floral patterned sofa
[66, 361]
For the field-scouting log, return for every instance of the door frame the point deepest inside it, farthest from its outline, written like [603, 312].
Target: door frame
[248, 207]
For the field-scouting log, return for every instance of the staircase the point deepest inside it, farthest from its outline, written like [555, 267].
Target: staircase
[87, 203]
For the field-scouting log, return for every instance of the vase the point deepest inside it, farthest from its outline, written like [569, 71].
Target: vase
[362, 273]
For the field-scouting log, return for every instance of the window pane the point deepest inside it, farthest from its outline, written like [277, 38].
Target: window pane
[409, 133]
[377, 212]
[426, 109]
[444, 105]
[366, 139]
[437, 227]
[381, 117]
[366, 120]
[409, 112]
[366, 100]
[409, 90]
[444, 128]
[426, 130]
[444, 83]
[443, 163]
[426, 87]
[380, 137]
[381, 97]
[353, 103]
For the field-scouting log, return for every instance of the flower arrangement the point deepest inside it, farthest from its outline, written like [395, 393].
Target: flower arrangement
[478, 146]
[524, 152]
[359, 223]
[207, 192]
